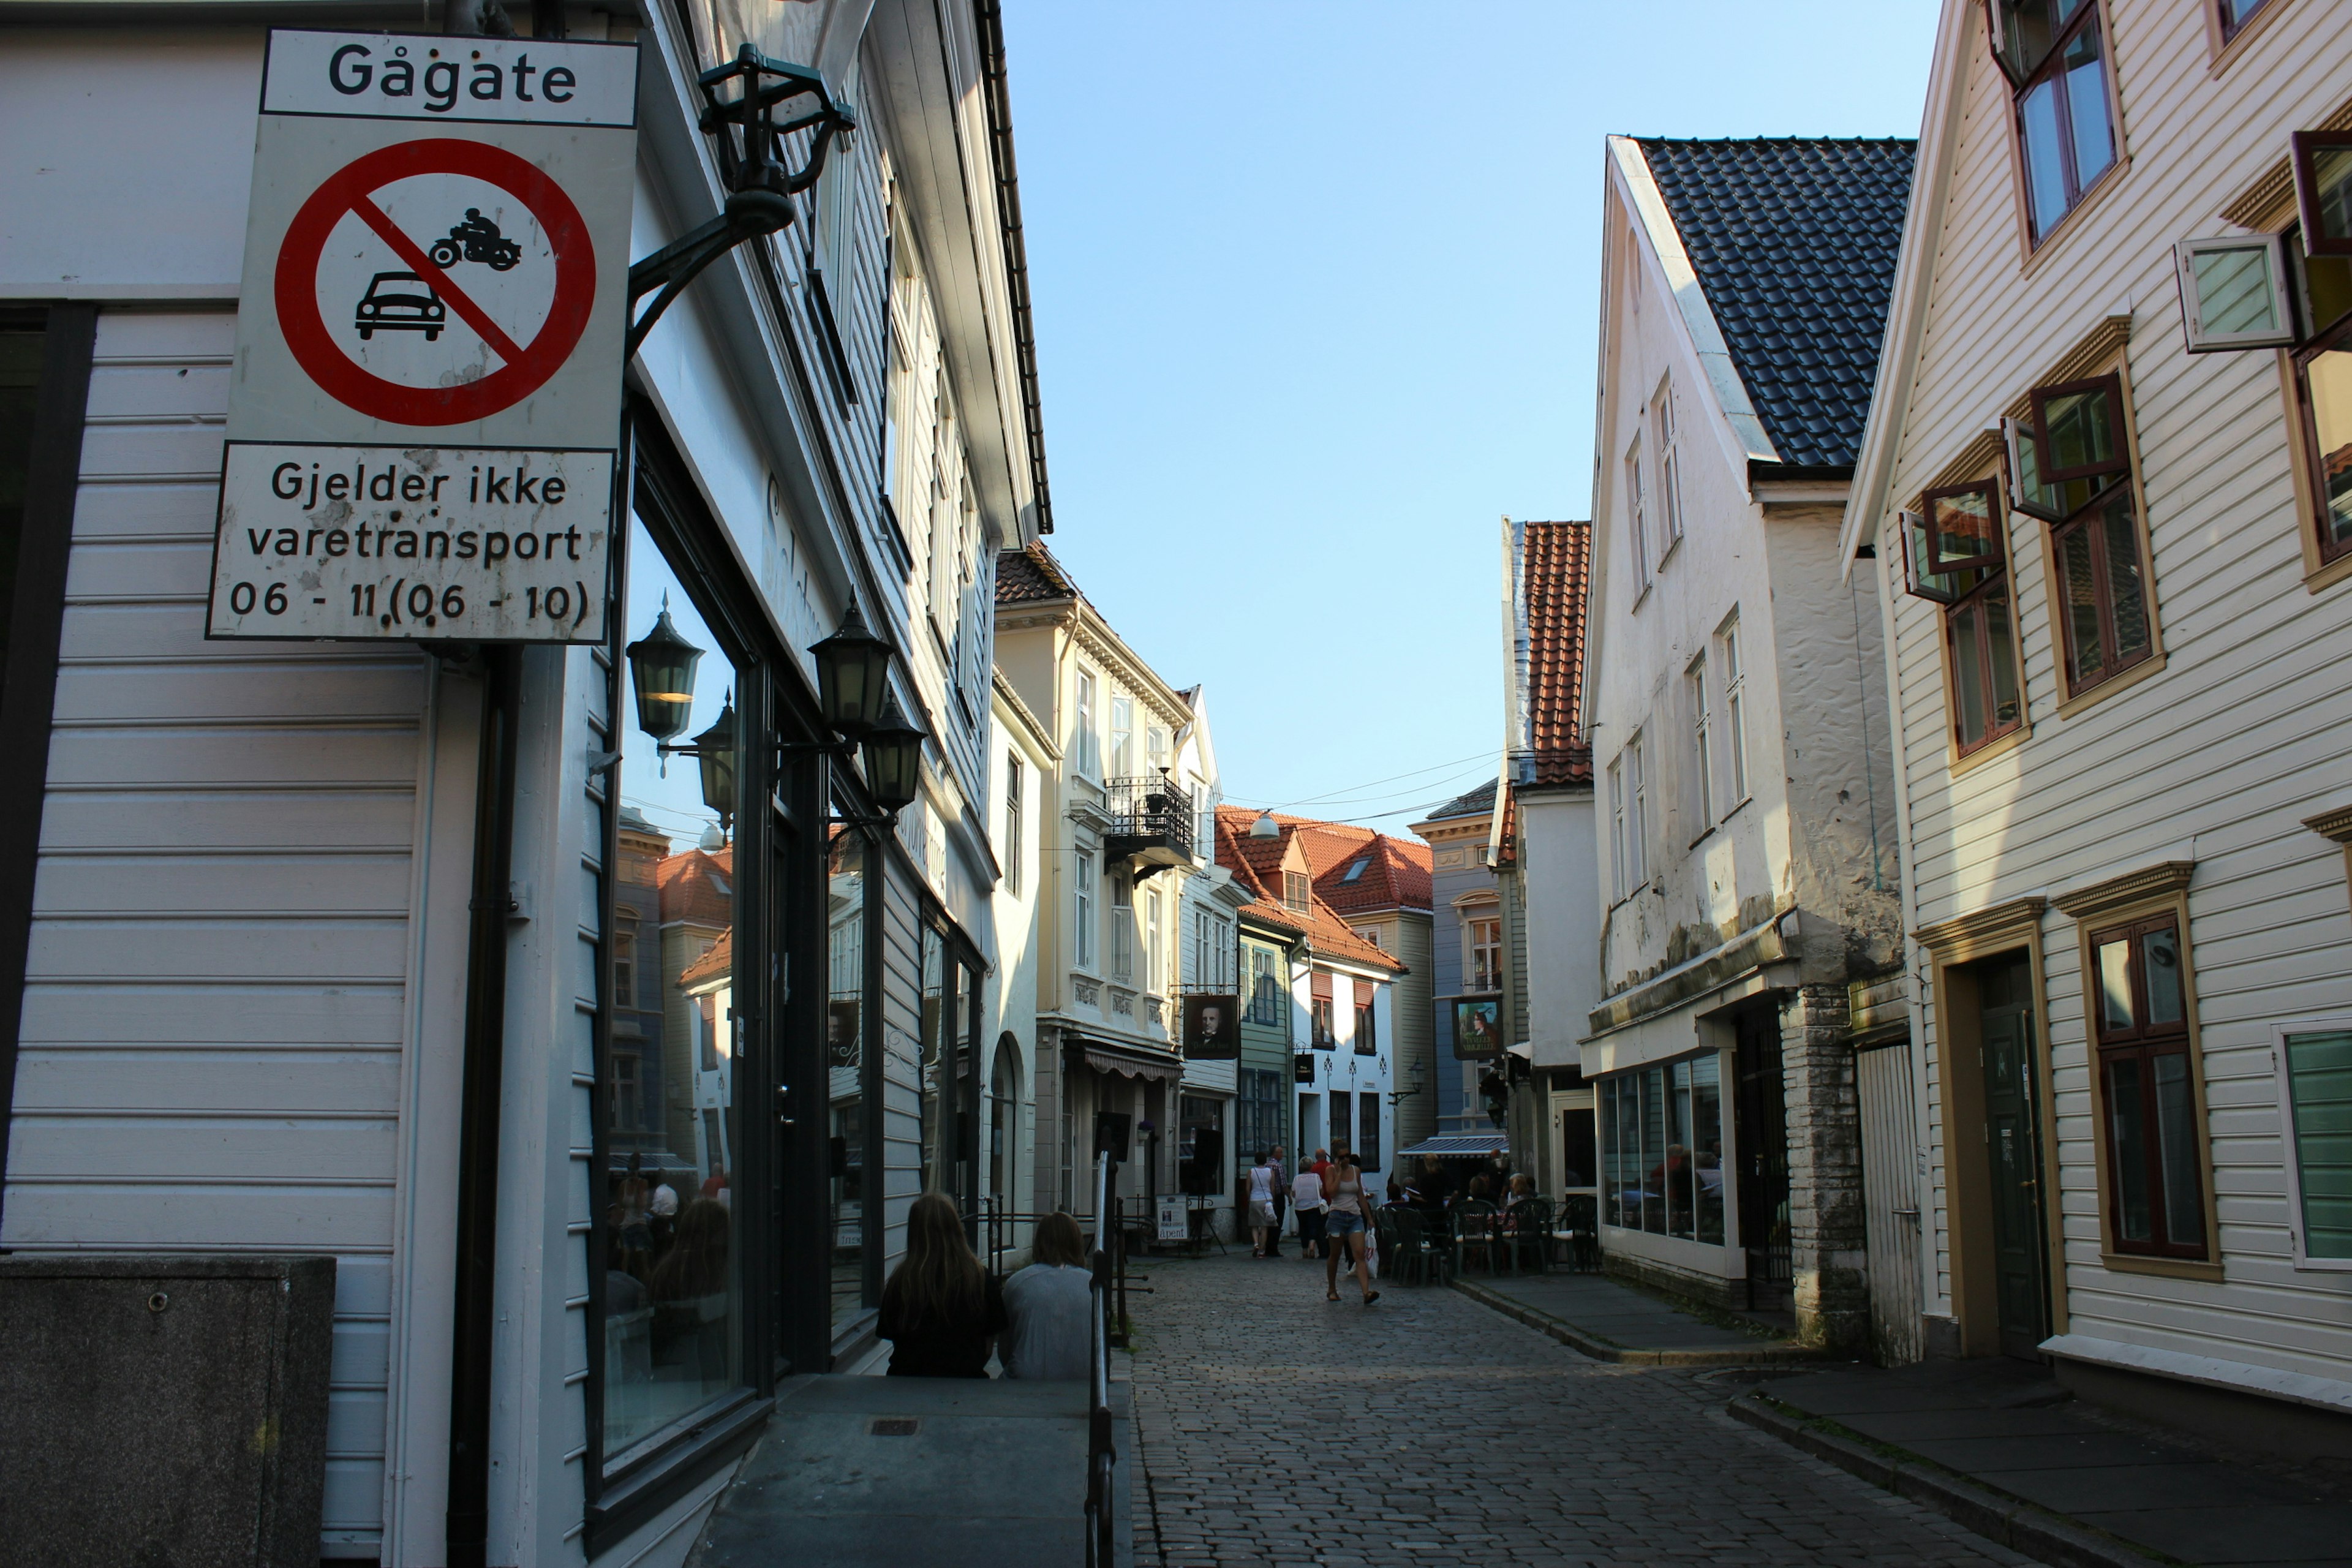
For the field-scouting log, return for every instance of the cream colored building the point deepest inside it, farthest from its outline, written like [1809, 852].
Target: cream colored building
[1117, 841]
[2124, 768]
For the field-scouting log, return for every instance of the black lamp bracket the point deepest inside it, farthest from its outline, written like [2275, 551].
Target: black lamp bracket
[759, 180]
[841, 752]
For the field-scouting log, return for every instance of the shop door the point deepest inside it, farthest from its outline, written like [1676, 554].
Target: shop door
[1890, 1198]
[1760, 1111]
[2013, 1155]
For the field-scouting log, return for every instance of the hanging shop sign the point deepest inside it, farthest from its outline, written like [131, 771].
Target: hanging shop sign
[426, 398]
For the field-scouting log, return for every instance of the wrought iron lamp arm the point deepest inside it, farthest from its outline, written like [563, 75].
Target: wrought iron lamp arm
[760, 187]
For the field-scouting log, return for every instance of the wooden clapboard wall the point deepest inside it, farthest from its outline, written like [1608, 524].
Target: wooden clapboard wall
[2219, 756]
[217, 980]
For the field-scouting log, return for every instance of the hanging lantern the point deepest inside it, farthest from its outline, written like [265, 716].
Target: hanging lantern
[714, 748]
[661, 667]
[894, 758]
[853, 674]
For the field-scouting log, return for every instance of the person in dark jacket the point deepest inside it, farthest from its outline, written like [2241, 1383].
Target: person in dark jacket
[941, 1311]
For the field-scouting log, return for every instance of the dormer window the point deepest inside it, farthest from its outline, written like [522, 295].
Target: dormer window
[1296, 890]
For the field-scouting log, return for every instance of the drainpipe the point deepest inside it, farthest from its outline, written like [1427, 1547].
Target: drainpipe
[468, 1524]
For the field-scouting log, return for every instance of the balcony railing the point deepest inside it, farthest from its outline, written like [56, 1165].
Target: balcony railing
[1151, 823]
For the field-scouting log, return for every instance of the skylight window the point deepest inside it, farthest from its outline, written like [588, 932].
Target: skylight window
[1357, 869]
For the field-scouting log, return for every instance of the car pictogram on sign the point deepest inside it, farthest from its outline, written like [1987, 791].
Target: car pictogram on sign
[399, 308]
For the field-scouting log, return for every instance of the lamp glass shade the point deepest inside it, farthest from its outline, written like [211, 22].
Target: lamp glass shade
[852, 672]
[661, 669]
[893, 753]
[715, 751]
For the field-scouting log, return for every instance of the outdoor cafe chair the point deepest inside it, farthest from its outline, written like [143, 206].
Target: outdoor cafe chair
[1474, 1230]
[1418, 1261]
[1528, 1232]
[1579, 1222]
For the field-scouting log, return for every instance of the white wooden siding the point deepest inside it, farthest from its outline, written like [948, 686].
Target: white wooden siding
[216, 983]
[2216, 758]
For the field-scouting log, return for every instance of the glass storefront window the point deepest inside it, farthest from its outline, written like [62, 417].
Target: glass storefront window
[933, 1047]
[845, 1070]
[1662, 1149]
[671, 1290]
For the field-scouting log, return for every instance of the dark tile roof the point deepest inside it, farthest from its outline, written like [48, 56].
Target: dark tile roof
[1557, 557]
[1027, 577]
[1480, 802]
[1794, 242]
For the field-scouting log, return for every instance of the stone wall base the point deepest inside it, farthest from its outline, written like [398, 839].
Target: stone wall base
[1707, 1290]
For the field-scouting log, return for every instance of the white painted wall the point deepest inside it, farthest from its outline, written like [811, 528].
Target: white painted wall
[1561, 869]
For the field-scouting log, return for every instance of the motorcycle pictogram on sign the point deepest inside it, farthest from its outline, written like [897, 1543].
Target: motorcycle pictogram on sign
[489, 369]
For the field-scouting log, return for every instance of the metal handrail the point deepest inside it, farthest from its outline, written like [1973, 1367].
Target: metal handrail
[1100, 1453]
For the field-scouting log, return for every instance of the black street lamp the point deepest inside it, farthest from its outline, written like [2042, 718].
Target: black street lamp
[714, 748]
[894, 758]
[852, 678]
[661, 667]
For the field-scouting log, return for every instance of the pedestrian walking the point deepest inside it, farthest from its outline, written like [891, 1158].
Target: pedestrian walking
[1281, 1200]
[1261, 1203]
[940, 1309]
[1306, 1202]
[1345, 1224]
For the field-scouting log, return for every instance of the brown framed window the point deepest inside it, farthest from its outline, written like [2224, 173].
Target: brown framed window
[2055, 59]
[2323, 191]
[2139, 1015]
[2233, 16]
[2323, 385]
[1319, 1011]
[1980, 637]
[2070, 466]
[1988, 698]
[2104, 590]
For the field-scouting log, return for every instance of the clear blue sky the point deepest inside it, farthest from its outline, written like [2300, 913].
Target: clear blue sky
[1317, 286]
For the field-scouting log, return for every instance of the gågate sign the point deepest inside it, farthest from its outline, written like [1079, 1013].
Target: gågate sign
[427, 391]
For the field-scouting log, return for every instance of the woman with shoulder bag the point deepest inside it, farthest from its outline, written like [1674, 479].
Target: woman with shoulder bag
[1306, 1202]
[1344, 1226]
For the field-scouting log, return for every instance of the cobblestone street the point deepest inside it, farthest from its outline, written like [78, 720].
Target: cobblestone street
[1278, 1429]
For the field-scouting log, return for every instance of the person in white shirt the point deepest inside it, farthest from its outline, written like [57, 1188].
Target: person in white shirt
[1048, 1307]
[664, 1199]
[1306, 1202]
[1261, 1203]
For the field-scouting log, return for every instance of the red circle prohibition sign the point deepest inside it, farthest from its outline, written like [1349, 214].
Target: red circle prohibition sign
[527, 366]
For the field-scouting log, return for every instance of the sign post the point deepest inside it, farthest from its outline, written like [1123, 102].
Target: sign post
[426, 398]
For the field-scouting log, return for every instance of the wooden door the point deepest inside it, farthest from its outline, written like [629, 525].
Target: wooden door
[2013, 1157]
[1890, 1191]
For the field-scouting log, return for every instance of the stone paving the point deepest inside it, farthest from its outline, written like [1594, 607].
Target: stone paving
[1277, 1428]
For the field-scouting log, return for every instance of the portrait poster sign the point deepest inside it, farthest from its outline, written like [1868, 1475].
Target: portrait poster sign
[1213, 1027]
[1477, 1028]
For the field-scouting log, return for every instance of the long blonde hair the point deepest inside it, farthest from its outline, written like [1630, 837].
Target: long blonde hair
[939, 1280]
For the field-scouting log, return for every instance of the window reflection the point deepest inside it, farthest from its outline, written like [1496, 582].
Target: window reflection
[670, 1291]
[844, 1063]
[1662, 1149]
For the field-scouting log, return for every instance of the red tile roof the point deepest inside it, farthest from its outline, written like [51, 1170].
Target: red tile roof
[1395, 876]
[1256, 865]
[1557, 561]
[719, 962]
[1032, 576]
[698, 888]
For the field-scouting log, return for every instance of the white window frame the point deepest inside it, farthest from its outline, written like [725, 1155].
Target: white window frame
[1156, 745]
[1670, 480]
[1082, 910]
[1637, 510]
[2290, 1155]
[1122, 737]
[1617, 827]
[1122, 927]
[1472, 919]
[1013, 823]
[1637, 824]
[1088, 744]
[1702, 743]
[1733, 656]
[1153, 942]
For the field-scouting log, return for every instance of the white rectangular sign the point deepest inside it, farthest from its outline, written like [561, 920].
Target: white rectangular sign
[374, 543]
[436, 294]
[410, 75]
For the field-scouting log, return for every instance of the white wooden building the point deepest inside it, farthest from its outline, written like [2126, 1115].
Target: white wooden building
[1734, 707]
[253, 907]
[2125, 765]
